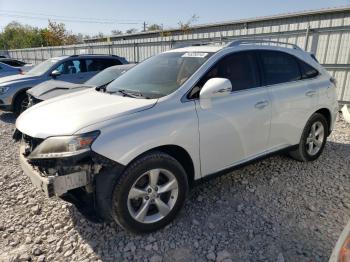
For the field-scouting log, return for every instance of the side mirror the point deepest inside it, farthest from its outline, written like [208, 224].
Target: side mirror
[55, 73]
[215, 87]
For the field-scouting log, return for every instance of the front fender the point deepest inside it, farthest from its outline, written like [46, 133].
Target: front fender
[126, 138]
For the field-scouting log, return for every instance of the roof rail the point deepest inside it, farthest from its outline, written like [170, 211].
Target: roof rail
[182, 45]
[262, 42]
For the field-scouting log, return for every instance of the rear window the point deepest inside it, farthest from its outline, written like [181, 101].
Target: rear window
[279, 67]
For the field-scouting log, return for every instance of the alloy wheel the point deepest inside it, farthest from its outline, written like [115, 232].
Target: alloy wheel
[153, 196]
[315, 138]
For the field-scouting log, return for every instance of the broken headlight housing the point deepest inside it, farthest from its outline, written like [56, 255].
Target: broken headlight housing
[64, 146]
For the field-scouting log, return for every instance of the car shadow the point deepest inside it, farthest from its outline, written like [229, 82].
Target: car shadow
[271, 207]
[8, 117]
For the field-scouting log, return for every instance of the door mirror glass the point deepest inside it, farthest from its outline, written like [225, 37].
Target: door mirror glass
[55, 73]
[216, 87]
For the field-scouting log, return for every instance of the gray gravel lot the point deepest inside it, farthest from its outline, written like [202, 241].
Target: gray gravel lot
[274, 210]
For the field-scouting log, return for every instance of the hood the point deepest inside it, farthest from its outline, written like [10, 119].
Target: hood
[53, 88]
[67, 114]
[16, 79]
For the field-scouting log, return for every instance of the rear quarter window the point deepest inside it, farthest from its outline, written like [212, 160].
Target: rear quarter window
[307, 71]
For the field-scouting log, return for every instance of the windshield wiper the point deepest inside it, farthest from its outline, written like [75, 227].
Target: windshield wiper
[103, 87]
[131, 93]
[127, 93]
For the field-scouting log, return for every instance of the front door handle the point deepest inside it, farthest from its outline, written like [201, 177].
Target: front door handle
[261, 104]
[310, 93]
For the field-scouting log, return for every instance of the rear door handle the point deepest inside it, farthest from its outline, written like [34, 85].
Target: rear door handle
[261, 104]
[310, 93]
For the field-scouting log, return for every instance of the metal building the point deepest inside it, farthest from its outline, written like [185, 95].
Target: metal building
[324, 32]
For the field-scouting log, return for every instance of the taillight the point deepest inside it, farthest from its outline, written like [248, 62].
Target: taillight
[344, 253]
[21, 71]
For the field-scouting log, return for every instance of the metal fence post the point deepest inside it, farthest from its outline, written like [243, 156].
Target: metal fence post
[34, 56]
[135, 52]
[307, 37]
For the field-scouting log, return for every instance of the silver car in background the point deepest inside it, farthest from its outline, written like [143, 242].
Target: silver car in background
[76, 69]
[54, 88]
[6, 70]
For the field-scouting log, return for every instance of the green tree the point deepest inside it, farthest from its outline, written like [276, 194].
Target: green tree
[154, 27]
[185, 26]
[16, 35]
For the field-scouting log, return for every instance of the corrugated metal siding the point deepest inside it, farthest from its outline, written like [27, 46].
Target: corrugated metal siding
[328, 38]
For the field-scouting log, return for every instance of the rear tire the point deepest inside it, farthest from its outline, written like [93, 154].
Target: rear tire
[149, 193]
[313, 139]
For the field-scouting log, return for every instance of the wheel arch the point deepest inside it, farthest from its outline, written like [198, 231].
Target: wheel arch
[18, 93]
[180, 154]
[327, 114]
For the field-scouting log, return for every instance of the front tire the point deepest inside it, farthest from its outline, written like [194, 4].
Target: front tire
[149, 193]
[21, 103]
[313, 139]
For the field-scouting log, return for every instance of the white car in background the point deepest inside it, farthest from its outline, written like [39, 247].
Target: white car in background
[132, 151]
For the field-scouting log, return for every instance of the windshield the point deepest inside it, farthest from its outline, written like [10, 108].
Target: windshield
[105, 77]
[159, 75]
[42, 67]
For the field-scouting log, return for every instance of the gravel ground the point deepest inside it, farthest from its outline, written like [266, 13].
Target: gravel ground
[274, 210]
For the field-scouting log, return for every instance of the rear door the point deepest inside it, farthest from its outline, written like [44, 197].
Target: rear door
[292, 97]
[236, 127]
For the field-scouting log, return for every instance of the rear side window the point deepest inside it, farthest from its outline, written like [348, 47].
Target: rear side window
[307, 71]
[279, 67]
[240, 68]
[99, 64]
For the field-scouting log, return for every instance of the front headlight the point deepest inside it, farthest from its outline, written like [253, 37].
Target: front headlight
[4, 89]
[64, 146]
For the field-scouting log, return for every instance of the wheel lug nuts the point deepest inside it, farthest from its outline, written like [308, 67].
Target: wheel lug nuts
[156, 188]
[146, 197]
[149, 190]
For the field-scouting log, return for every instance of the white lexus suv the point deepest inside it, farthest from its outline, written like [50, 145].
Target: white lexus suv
[130, 152]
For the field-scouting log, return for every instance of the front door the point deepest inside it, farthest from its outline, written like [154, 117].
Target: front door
[72, 71]
[236, 127]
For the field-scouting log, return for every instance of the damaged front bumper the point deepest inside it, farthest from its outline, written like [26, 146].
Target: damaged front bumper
[53, 185]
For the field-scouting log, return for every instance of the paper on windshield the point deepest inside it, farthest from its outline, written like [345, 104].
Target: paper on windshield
[195, 54]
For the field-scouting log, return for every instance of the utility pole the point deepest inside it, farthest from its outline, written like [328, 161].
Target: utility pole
[144, 26]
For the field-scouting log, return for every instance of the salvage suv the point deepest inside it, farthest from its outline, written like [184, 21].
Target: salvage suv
[131, 151]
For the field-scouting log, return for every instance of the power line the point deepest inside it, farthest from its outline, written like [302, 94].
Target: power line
[69, 20]
[33, 14]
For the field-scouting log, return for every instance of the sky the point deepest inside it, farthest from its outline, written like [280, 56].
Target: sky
[91, 17]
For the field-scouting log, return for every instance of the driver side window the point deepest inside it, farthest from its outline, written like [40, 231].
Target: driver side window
[240, 68]
[70, 67]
